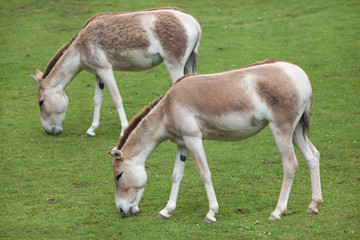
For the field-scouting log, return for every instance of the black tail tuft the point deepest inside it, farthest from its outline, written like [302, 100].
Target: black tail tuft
[305, 122]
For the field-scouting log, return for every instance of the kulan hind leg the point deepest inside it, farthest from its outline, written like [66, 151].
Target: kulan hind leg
[285, 146]
[312, 157]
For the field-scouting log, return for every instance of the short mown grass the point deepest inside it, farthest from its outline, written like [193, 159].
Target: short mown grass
[62, 187]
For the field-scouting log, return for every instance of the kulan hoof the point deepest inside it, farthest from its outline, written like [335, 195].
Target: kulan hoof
[274, 217]
[88, 135]
[208, 220]
[310, 211]
[163, 216]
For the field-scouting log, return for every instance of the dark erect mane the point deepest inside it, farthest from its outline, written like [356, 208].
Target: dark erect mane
[56, 57]
[135, 122]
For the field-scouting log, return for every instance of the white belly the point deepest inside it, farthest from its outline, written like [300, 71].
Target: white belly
[134, 60]
[231, 127]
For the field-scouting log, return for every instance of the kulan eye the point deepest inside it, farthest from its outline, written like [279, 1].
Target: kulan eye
[41, 103]
[119, 176]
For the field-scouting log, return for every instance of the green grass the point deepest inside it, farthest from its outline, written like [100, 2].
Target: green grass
[62, 187]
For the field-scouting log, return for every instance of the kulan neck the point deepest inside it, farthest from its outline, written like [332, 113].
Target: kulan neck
[145, 137]
[65, 69]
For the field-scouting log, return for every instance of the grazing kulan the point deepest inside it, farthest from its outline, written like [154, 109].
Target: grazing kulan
[227, 106]
[131, 41]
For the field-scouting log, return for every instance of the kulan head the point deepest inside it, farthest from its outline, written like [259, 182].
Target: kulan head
[52, 102]
[130, 179]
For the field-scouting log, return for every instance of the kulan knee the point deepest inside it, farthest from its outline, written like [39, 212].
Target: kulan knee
[291, 168]
[313, 162]
[176, 177]
[206, 177]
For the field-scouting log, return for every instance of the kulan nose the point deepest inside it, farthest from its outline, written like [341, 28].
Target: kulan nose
[54, 130]
[49, 131]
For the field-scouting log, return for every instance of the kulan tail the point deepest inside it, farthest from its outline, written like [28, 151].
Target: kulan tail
[190, 66]
[305, 119]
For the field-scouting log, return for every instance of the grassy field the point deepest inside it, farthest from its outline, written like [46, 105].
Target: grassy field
[62, 187]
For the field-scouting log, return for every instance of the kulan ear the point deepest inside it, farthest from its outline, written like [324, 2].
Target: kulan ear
[38, 76]
[35, 78]
[39, 73]
[115, 153]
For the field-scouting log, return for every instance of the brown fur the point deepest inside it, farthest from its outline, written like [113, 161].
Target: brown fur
[272, 90]
[279, 94]
[135, 122]
[170, 32]
[218, 90]
[212, 86]
[114, 32]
